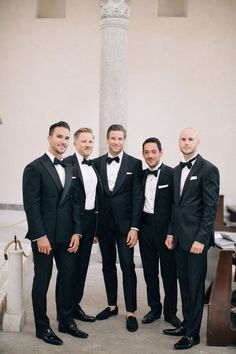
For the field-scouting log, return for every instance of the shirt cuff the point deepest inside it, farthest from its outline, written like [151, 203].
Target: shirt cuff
[134, 228]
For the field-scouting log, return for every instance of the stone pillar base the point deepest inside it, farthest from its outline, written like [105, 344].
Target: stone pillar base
[13, 322]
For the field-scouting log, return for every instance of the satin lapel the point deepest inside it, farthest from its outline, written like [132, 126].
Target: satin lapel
[122, 173]
[98, 177]
[68, 179]
[77, 167]
[159, 182]
[144, 178]
[191, 173]
[177, 177]
[103, 174]
[51, 169]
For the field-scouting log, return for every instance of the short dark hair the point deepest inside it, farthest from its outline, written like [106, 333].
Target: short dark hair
[153, 140]
[58, 124]
[116, 127]
[82, 130]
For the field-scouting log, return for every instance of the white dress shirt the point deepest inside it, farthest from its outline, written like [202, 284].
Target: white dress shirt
[112, 171]
[90, 183]
[150, 190]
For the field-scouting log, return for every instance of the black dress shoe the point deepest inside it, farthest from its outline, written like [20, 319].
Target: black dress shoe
[174, 320]
[131, 323]
[151, 316]
[79, 314]
[107, 313]
[180, 331]
[72, 330]
[187, 342]
[48, 336]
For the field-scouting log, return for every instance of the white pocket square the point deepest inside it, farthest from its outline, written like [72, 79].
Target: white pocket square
[163, 186]
[193, 178]
[129, 173]
[73, 177]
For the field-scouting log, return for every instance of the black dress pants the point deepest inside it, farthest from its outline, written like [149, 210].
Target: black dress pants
[154, 253]
[109, 239]
[43, 265]
[191, 270]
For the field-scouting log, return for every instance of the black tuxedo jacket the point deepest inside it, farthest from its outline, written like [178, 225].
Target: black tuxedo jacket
[82, 196]
[50, 208]
[195, 210]
[163, 199]
[125, 202]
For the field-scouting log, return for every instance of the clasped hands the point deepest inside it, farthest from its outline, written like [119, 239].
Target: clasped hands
[197, 247]
[44, 245]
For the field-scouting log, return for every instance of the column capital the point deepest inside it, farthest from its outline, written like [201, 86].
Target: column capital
[115, 9]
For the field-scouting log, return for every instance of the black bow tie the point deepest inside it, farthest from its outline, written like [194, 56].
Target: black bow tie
[110, 159]
[59, 162]
[152, 172]
[86, 162]
[188, 163]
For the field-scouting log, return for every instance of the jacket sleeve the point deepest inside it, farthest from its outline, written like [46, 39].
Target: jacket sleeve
[210, 194]
[32, 202]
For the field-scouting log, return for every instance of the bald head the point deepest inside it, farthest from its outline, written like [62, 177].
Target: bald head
[188, 142]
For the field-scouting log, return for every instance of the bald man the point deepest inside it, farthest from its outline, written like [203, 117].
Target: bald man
[196, 191]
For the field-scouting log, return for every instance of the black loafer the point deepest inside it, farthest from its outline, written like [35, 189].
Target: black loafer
[174, 320]
[105, 314]
[186, 342]
[79, 314]
[131, 323]
[150, 317]
[180, 331]
[72, 330]
[48, 336]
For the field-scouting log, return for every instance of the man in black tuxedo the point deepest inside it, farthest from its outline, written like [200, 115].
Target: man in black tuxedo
[157, 207]
[121, 177]
[50, 201]
[90, 196]
[196, 191]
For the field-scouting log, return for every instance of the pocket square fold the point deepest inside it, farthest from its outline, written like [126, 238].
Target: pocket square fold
[193, 178]
[73, 177]
[129, 173]
[163, 186]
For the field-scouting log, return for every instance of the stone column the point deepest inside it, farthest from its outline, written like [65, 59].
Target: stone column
[14, 318]
[114, 65]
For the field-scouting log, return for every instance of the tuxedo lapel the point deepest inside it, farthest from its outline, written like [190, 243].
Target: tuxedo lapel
[103, 174]
[68, 179]
[75, 163]
[160, 181]
[177, 178]
[51, 169]
[122, 173]
[193, 170]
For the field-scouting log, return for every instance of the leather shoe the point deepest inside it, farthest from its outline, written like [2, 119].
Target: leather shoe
[180, 331]
[150, 317]
[131, 323]
[106, 313]
[48, 336]
[174, 320]
[72, 330]
[187, 342]
[79, 314]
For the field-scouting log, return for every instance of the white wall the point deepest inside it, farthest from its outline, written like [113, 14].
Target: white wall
[182, 72]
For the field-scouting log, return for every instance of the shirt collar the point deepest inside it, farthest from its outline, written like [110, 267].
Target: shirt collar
[120, 155]
[155, 168]
[51, 156]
